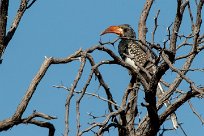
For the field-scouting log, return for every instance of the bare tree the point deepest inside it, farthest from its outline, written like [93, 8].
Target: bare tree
[124, 115]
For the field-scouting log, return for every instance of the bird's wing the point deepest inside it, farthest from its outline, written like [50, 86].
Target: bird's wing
[136, 53]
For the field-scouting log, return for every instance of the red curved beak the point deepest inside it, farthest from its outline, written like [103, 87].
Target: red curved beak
[113, 29]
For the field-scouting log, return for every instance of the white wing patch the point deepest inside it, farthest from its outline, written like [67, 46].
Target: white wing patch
[131, 62]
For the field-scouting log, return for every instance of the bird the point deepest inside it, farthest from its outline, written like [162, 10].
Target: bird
[127, 48]
[132, 53]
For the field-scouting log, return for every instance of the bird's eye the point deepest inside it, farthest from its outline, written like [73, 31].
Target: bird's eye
[125, 29]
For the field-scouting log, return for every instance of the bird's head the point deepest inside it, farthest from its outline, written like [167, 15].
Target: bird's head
[124, 30]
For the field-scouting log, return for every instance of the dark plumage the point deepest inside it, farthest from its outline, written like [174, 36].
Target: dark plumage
[129, 49]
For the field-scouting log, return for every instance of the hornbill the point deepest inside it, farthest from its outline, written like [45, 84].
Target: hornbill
[133, 53]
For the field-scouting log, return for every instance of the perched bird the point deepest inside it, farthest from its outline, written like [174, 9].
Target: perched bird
[132, 53]
[128, 49]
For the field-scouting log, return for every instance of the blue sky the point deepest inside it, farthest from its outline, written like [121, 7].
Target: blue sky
[58, 28]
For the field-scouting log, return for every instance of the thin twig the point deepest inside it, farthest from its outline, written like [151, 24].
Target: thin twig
[192, 85]
[68, 100]
[155, 26]
[191, 16]
[87, 93]
[28, 6]
[195, 112]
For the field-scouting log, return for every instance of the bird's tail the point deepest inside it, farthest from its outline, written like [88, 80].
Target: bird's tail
[160, 92]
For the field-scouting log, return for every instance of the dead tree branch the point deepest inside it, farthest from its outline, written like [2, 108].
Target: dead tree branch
[16, 118]
[195, 112]
[155, 26]
[5, 37]
[142, 29]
